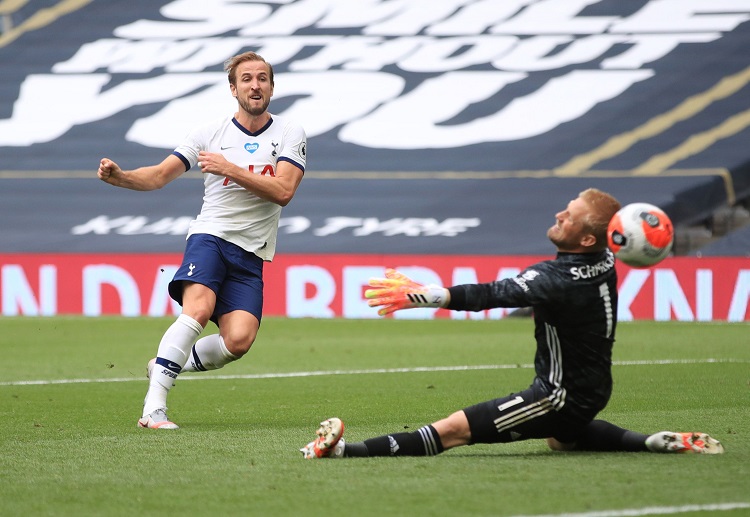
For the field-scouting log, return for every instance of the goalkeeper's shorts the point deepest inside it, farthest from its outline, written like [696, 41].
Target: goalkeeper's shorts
[521, 416]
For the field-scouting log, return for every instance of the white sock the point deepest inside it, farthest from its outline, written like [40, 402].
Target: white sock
[171, 356]
[209, 353]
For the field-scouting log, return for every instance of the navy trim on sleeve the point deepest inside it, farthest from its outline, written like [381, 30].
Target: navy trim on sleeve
[285, 159]
[184, 160]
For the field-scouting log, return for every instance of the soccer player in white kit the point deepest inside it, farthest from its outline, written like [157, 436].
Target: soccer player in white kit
[252, 164]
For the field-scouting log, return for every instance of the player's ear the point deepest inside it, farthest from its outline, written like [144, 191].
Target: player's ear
[588, 240]
[233, 89]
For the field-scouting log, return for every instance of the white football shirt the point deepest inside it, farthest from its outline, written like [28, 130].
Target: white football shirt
[230, 211]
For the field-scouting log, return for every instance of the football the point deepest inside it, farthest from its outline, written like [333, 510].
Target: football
[640, 235]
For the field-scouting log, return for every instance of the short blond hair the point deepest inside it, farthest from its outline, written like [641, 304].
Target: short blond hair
[603, 207]
[230, 66]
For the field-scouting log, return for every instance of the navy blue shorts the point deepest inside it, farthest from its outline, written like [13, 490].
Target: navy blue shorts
[520, 416]
[235, 275]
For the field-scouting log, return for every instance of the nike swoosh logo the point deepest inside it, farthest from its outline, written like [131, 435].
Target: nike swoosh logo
[225, 148]
[173, 366]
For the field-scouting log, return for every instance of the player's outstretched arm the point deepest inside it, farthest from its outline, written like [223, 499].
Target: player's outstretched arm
[145, 178]
[397, 291]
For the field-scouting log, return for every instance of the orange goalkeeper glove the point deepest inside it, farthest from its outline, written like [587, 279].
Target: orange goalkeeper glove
[397, 291]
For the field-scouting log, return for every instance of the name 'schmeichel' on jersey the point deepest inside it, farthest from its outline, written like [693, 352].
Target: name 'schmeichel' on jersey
[595, 270]
[574, 298]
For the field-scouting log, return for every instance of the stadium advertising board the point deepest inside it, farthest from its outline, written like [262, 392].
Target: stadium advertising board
[331, 286]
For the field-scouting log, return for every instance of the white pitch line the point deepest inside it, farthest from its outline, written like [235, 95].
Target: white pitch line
[283, 375]
[652, 510]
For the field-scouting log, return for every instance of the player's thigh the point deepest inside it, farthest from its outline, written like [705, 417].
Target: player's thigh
[238, 329]
[198, 302]
[519, 416]
[202, 263]
[242, 289]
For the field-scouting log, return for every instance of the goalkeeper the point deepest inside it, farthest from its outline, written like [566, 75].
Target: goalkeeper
[574, 298]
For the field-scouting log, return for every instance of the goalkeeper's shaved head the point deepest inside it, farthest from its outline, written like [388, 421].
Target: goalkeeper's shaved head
[602, 207]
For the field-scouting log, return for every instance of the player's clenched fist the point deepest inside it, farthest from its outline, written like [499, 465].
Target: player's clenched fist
[108, 170]
[215, 163]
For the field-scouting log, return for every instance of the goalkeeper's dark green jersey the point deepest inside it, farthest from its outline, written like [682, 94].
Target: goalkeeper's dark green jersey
[574, 298]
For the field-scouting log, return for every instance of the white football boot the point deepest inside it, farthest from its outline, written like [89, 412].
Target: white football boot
[157, 420]
[329, 443]
[697, 443]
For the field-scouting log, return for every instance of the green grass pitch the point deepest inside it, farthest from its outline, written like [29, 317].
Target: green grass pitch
[72, 447]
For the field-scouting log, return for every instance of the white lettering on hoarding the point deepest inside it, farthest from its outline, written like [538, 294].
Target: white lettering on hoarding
[354, 281]
[669, 296]
[161, 303]
[19, 299]
[294, 224]
[78, 99]
[312, 290]
[627, 292]
[96, 276]
[740, 297]
[301, 278]
[489, 44]
[704, 286]
[133, 225]
[358, 226]
[422, 116]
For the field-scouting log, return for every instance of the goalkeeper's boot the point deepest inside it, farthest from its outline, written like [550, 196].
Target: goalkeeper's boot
[157, 420]
[329, 443]
[697, 443]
